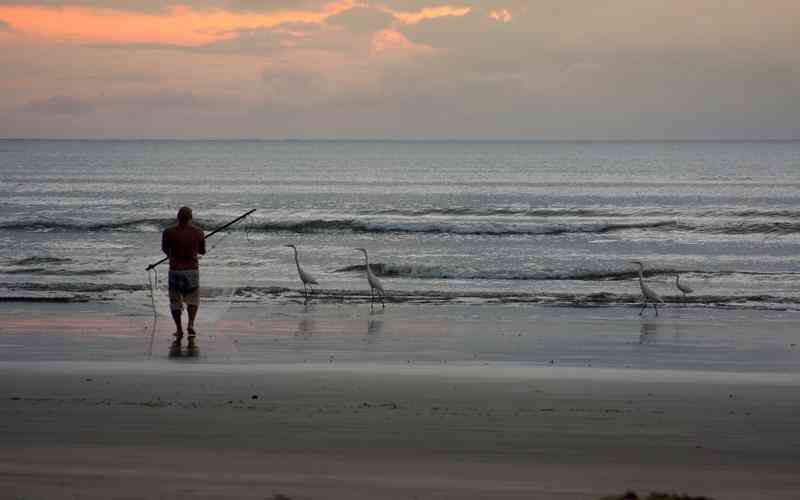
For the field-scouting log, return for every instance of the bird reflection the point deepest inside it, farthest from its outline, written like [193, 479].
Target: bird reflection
[374, 326]
[305, 328]
[652, 330]
[649, 331]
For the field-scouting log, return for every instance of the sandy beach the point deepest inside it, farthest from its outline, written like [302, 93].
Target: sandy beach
[415, 401]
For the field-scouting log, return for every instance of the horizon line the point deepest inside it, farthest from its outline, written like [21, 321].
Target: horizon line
[419, 140]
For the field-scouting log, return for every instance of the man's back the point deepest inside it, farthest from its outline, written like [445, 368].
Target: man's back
[182, 243]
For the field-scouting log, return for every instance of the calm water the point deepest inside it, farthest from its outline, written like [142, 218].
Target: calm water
[445, 221]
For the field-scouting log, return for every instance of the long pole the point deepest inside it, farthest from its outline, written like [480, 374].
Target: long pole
[212, 233]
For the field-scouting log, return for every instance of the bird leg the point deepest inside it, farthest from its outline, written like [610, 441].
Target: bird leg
[656, 308]
[644, 305]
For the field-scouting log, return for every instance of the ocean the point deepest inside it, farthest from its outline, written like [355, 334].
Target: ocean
[554, 223]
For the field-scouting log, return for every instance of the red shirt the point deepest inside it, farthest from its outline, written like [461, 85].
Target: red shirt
[182, 244]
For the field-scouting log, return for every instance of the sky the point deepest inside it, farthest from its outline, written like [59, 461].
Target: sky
[400, 69]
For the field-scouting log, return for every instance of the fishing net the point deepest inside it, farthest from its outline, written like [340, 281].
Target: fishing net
[222, 274]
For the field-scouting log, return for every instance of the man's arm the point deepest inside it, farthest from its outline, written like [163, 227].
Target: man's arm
[202, 247]
[164, 243]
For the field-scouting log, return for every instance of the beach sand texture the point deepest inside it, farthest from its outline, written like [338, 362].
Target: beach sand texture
[315, 403]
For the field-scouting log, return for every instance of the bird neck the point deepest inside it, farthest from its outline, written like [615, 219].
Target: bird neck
[366, 264]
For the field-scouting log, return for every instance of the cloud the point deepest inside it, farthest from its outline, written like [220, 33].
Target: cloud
[254, 41]
[161, 100]
[405, 68]
[362, 19]
[148, 102]
[431, 13]
[177, 25]
[476, 35]
[4, 26]
[298, 27]
[156, 6]
[264, 41]
[60, 105]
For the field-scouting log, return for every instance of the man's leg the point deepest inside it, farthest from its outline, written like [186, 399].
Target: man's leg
[175, 303]
[192, 314]
[192, 299]
[176, 316]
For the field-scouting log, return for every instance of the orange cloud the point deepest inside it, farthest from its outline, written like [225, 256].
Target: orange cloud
[390, 39]
[430, 13]
[502, 15]
[180, 25]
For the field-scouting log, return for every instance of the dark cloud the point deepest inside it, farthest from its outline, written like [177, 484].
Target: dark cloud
[298, 27]
[475, 30]
[269, 5]
[166, 99]
[250, 41]
[4, 26]
[362, 19]
[124, 104]
[60, 105]
[416, 5]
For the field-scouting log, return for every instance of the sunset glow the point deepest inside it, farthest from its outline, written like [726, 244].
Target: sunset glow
[209, 68]
[502, 15]
[179, 25]
[431, 13]
[393, 40]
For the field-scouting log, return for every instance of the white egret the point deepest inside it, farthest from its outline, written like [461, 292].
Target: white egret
[373, 280]
[682, 286]
[306, 278]
[648, 295]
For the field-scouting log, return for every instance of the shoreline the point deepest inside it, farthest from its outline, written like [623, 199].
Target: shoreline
[511, 336]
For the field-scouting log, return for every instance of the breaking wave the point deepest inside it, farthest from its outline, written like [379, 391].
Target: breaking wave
[44, 271]
[423, 272]
[480, 228]
[36, 260]
[583, 212]
[131, 225]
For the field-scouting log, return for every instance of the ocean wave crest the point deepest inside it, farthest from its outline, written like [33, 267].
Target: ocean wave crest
[46, 271]
[421, 271]
[130, 225]
[467, 228]
[38, 260]
[577, 212]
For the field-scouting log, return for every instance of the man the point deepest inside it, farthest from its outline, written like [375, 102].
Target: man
[182, 243]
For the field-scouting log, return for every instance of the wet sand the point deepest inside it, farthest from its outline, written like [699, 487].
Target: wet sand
[328, 412]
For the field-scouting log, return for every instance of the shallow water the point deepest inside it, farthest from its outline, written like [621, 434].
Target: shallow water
[553, 223]
[482, 340]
